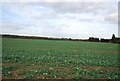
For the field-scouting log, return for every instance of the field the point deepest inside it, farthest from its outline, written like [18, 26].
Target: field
[50, 59]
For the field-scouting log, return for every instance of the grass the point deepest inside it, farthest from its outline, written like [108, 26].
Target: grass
[50, 59]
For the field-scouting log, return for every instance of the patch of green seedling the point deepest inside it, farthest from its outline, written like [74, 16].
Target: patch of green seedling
[46, 59]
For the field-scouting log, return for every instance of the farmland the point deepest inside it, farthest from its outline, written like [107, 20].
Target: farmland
[52, 59]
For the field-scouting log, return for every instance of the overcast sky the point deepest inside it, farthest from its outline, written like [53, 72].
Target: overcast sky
[60, 19]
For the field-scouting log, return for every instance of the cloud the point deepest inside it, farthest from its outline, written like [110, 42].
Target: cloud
[11, 27]
[25, 1]
[112, 18]
[71, 10]
[63, 19]
[102, 29]
[91, 8]
[81, 7]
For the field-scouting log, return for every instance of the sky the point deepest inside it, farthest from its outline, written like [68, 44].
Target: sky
[77, 20]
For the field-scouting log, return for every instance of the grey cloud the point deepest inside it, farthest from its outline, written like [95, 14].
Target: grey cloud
[102, 8]
[94, 8]
[56, 22]
[112, 18]
[79, 17]
[81, 7]
[47, 15]
[63, 25]
[87, 20]
[11, 27]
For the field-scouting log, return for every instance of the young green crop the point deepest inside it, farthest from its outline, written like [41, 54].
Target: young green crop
[44, 59]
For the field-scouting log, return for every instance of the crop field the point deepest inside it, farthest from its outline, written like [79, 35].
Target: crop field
[51, 59]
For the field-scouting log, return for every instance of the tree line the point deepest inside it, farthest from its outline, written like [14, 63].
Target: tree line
[91, 39]
[112, 40]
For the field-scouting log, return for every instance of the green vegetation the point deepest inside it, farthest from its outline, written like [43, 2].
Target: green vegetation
[50, 59]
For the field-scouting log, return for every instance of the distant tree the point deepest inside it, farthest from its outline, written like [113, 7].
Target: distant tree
[104, 40]
[93, 39]
[97, 39]
[70, 39]
[113, 38]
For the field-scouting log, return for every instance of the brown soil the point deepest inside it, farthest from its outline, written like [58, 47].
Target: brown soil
[21, 77]
[50, 63]
[96, 51]
[8, 64]
[26, 67]
[42, 67]
[4, 77]
[83, 76]
[59, 68]
[72, 75]
[38, 66]
[0, 76]
[66, 77]
[39, 76]
[55, 78]
[83, 66]
[108, 47]
[71, 67]
[63, 69]
[102, 68]
[14, 73]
